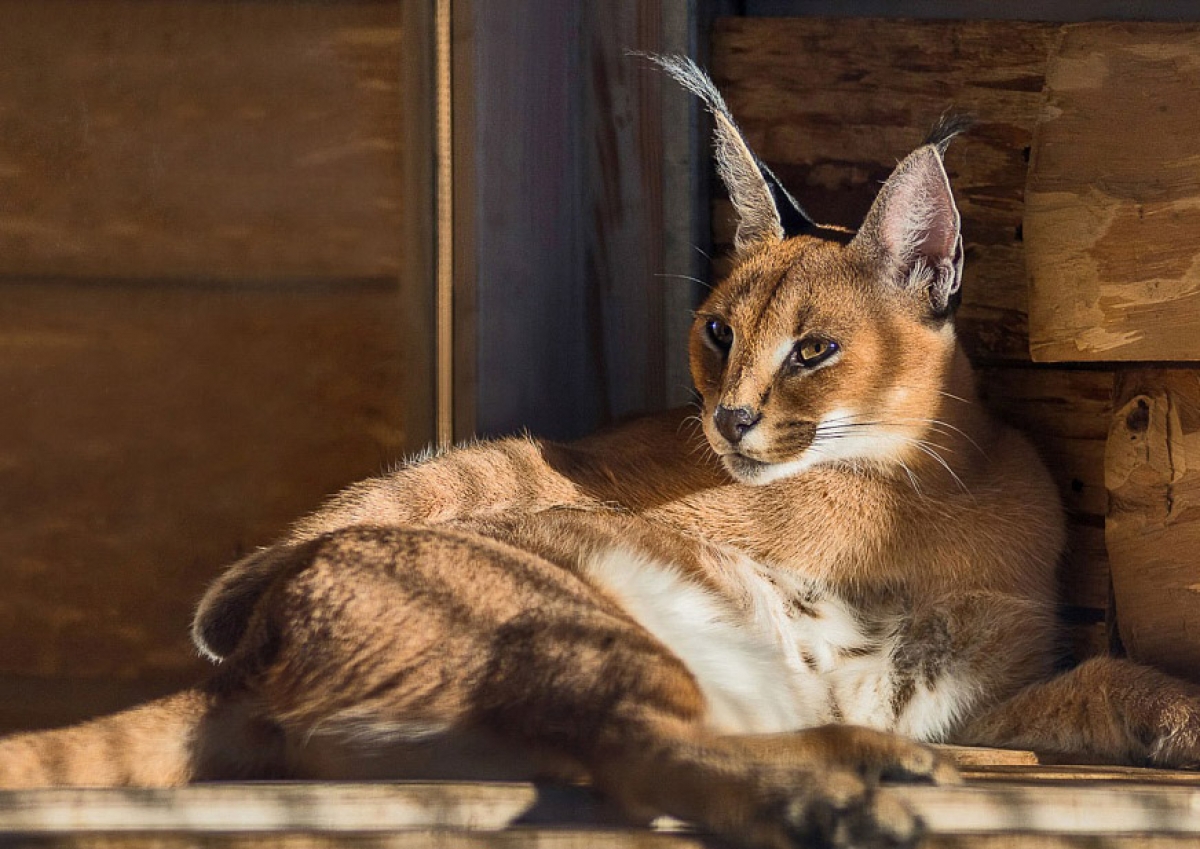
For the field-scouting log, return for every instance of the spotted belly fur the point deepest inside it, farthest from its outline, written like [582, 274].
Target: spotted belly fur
[781, 652]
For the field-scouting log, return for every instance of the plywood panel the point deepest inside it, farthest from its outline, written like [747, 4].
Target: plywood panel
[153, 433]
[1113, 204]
[833, 104]
[202, 139]
[1152, 470]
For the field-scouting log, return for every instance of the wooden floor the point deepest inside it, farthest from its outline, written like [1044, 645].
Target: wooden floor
[1015, 803]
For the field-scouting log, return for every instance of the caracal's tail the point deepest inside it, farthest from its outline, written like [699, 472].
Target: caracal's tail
[187, 737]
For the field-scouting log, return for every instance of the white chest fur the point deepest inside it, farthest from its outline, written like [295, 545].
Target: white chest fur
[780, 653]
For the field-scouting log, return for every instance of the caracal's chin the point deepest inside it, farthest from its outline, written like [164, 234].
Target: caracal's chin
[753, 472]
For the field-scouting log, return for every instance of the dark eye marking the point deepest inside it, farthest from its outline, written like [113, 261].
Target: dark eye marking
[719, 335]
[811, 351]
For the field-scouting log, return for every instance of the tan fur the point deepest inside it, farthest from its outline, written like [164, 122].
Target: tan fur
[465, 616]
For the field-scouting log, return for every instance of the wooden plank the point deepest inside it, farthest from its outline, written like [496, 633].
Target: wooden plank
[982, 756]
[565, 839]
[152, 434]
[625, 210]
[833, 104]
[534, 367]
[517, 838]
[576, 209]
[1101, 808]
[1057, 809]
[1113, 203]
[643, 155]
[1074, 773]
[1152, 471]
[1066, 414]
[204, 139]
[248, 808]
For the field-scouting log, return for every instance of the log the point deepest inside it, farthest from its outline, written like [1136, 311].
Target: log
[1113, 203]
[1152, 472]
[832, 105]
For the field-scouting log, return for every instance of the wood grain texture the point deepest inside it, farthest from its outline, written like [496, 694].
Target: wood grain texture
[564, 838]
[1113, 203]
[643, 155]
[201, 139]
[533, 367]
[832, 105]
[622, 240]
[982, 757]
[215, 272]
[152, 434]
[1152, 471]
[1106, 807]
[577, 210]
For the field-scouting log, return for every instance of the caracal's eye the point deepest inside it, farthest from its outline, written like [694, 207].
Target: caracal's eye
[813, 351]
[719, 334]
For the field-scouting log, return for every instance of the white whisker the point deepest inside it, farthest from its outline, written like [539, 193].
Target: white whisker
[688, 277]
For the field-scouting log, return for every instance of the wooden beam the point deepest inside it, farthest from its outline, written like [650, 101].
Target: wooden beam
[1152, 471]
[1113, 202]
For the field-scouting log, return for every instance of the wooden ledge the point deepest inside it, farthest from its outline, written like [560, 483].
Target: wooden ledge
[1008, 806]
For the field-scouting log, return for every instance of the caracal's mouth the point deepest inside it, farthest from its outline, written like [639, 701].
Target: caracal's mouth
[752, 472]
[745, 469]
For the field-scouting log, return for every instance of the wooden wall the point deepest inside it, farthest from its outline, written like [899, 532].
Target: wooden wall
[1077, 188]
[216, 239]
[580, 186]
[216, 310]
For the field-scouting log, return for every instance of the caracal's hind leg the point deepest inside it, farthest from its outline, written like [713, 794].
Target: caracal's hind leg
[1106, 709]
[398, 636]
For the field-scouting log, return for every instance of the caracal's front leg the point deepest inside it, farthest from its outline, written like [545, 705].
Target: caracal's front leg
[1107, 709]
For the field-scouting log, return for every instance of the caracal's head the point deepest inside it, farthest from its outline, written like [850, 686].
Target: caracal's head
[826, 346]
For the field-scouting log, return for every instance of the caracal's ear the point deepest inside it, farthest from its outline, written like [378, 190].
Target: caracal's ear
[766, 211]
[913, 226]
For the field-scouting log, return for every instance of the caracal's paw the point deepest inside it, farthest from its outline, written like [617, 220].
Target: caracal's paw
[1174, 742]
[835, 810]
[1158, 714]
[821, 788]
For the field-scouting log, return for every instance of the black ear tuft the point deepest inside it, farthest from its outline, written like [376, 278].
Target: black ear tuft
[766, 211]
[947, 127]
